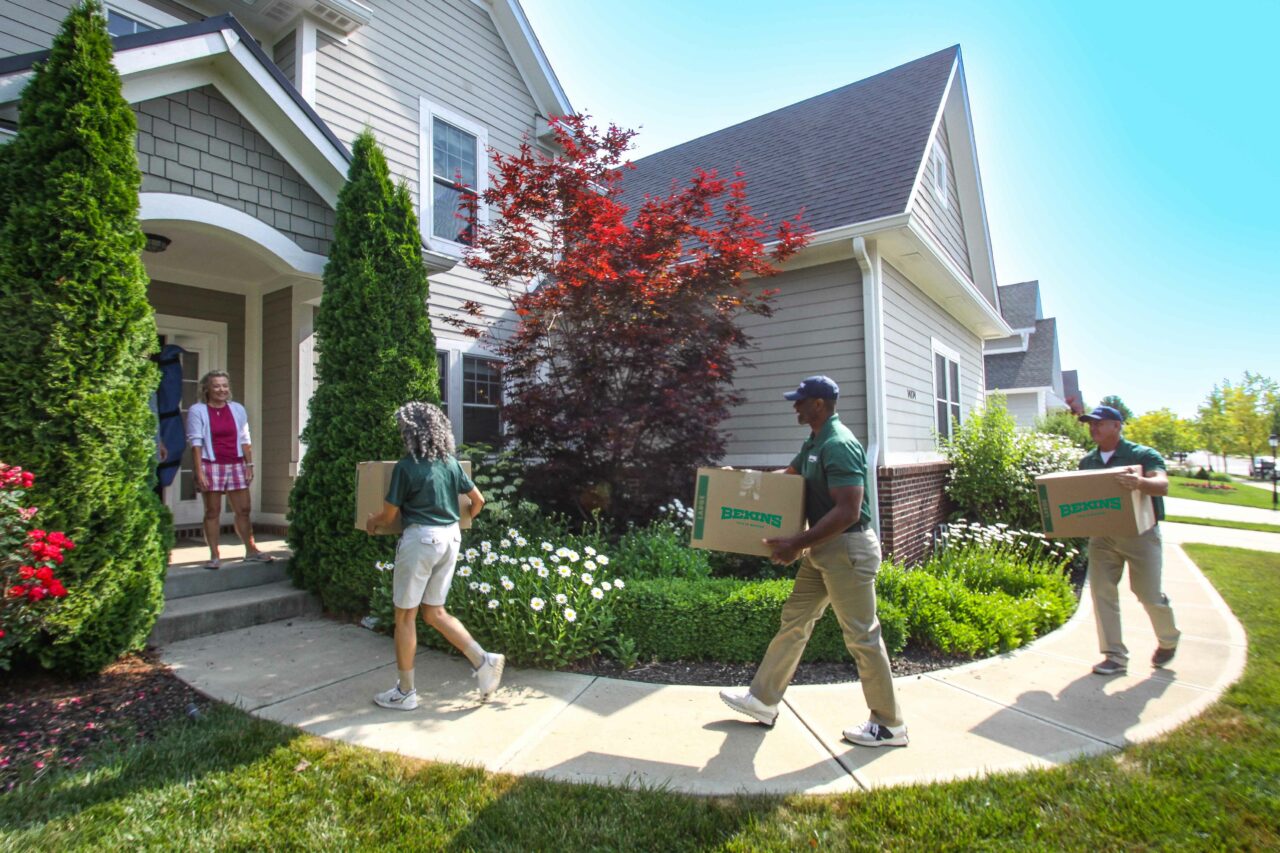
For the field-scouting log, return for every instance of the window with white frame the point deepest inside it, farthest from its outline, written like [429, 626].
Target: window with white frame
[454, 158]
[946, 390]
[442, 362]
[481, 400]
[938, 170]
[120, 24]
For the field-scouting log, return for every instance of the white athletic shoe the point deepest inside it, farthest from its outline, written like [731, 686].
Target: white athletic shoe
[489, 673]
[745, 702]
[874, 734]
[397, 700]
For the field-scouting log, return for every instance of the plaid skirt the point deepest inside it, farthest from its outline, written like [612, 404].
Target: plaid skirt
[225, 477]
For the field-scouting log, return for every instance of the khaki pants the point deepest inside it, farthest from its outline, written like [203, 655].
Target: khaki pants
[842, 572]
[1107, 556]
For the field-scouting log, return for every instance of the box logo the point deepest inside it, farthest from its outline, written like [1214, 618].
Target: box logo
[730, 513]
[1084, 506]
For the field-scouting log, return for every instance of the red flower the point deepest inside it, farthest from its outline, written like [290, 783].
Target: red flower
[26, 572]
[17, 591]
[36, 593]
[45, 574]
[56, 589]
[36, 535]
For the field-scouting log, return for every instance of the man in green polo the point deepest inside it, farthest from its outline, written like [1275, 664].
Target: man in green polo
[841, 558]
[1140, 468]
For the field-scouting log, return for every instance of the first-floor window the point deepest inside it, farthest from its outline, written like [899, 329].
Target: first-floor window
[442, 362]
[946, 384]
[481, 400]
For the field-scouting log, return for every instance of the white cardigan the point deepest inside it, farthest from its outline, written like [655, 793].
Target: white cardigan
[200, 433]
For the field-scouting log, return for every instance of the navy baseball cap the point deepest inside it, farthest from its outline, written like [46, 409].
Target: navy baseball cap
[815, 388]
[1102, 413]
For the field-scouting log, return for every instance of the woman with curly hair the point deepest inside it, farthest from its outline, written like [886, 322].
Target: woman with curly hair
[424, 490]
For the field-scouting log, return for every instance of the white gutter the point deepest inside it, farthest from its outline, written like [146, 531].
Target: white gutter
[873, 346]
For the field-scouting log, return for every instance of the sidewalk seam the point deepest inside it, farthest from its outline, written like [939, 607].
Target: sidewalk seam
[814, 734]
[291, 697]
[525, 740]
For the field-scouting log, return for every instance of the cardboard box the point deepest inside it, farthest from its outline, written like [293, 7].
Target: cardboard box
[372, 480]
[1092, 503]
[734, 510]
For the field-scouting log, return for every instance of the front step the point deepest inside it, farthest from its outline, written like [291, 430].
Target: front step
[186, 581]
[215, 612]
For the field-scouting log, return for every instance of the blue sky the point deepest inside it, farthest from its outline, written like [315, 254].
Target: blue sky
[1130, 152]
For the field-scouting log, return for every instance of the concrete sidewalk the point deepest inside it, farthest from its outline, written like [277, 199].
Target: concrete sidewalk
[1037, 707]
[1230, 512]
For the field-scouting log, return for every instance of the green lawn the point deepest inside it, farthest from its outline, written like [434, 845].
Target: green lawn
[233, 782]
[1242, 495]
[1222, 522]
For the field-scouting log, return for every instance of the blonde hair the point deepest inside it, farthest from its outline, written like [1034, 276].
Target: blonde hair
[209, 377]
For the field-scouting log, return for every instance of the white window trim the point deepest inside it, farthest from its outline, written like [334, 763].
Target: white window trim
[454, 351]
[936, 348]
[427, 111]
[938, 173]
[144, 14]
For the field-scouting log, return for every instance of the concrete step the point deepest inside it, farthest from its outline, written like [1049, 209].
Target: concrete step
[186, 581]
[216, 612]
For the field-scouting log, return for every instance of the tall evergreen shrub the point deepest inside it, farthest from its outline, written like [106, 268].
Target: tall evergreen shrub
[75, 332]
[376, 353]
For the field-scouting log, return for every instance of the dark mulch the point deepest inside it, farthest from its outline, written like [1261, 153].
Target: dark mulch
[48, 720]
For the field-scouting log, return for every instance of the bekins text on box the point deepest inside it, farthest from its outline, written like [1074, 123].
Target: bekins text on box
[736, 510]
[1092, 503]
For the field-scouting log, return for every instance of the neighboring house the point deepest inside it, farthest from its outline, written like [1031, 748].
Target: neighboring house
[1071, 391]
[895, 295]
[1025, 367]
[244, 128]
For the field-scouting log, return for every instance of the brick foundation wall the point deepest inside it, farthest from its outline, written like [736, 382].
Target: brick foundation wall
[912, 503]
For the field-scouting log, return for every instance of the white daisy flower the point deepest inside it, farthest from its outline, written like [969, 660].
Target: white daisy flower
[493, 604]
[597, 593]
[564, 571]
[543, 571]
[537, 604]
[512, 532]
[606, 586]
[574, 556]
[508, 585]
[473, 585]
[524, 567]
[505, 543]
[562, 551]
[486, 546]
[484, 587]
[587, 578]
[570, 615]
[589, 565]
[521, 541]
[602, 560]
[472, 554]
[536, 562]
[555, 558]
[589, 551]
[561, 598]
[619, 584]
[547, 546]
[464, 572]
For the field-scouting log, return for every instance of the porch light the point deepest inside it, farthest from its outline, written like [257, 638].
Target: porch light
[156, 242]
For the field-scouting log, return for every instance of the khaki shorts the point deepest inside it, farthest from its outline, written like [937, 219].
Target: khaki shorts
[425, 560]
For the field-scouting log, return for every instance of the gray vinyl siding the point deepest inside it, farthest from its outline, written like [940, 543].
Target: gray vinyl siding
[911, 319]
[451, 54]
[1025, 408]
[275, 446]
[199, 303]
[29, 25]
[284, 54]
[196, 143]
[943, 223]
[816, 328]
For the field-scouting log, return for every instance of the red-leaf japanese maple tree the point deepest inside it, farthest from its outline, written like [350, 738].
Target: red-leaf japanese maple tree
[619, 369]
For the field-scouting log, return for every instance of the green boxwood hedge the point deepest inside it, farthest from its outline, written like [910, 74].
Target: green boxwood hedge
[728, 620]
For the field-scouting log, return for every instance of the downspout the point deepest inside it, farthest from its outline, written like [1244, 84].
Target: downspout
[873, 344]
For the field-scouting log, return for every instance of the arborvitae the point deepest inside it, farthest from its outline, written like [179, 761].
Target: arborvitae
[376, 352]
[75, 332]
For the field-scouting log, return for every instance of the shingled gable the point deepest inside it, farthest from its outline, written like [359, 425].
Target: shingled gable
[1035, 368]
[852, 159]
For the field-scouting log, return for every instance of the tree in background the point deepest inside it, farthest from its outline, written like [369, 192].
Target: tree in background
[1249, 408]
[75, 333]
[1065, 424]
[1163, 430]
[1214, 426]
[620, 369]
[1116, 403]
[376, 352]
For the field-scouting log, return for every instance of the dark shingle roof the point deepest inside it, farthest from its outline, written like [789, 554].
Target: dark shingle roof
[846, 156]
[1019, 304]
[1030, 369]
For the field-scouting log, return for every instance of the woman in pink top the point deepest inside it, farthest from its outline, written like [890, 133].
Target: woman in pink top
[218, 432]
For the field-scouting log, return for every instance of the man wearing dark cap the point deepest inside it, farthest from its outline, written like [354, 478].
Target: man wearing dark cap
[1140, 468]
[841, 558]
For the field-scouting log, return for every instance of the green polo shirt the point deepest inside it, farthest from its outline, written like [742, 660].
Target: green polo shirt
[1129, 453]
[828, 459]
[427, 490]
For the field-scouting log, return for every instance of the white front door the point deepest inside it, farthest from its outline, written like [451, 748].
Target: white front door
[205, 345]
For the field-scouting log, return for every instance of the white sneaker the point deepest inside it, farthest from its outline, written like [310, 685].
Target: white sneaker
[489, 673]
[874, 734]
[396, 700]
[745, 702]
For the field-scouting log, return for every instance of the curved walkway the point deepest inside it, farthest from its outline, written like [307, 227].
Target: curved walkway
[1037, 707]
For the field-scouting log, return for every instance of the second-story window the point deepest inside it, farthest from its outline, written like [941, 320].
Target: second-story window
[938, 167]
[453, 167]
[119, 24]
